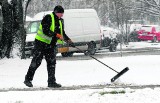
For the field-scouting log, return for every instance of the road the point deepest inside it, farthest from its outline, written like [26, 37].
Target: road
[105, 53]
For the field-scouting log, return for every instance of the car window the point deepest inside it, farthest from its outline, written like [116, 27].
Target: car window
[33, 27]
[146, 28]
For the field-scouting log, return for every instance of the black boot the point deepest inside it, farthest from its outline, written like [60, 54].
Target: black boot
[28, 83]
[54, 85]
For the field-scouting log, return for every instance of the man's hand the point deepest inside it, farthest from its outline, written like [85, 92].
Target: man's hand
[59, 36]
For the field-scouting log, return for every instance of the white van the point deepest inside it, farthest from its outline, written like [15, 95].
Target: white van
[81, 25]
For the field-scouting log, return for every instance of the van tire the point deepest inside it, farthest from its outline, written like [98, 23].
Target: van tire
[67, 54]
[91, 48]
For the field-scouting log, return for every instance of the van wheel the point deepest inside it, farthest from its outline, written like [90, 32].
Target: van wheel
[91, 48]
[67, 54]
[113, 48]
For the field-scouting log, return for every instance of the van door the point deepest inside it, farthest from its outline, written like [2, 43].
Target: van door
[91, 29]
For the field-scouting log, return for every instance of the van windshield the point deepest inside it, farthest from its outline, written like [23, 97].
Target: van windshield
[33, 27]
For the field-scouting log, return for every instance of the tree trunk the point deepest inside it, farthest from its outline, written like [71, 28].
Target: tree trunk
[19, 26]
[13, 27]
[7, 34]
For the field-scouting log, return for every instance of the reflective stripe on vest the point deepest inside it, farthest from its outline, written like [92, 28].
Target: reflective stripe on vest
[46, 39]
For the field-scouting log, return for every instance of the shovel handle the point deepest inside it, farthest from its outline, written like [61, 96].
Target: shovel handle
[94, 58]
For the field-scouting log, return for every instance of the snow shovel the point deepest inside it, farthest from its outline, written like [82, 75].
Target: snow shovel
[118, 73]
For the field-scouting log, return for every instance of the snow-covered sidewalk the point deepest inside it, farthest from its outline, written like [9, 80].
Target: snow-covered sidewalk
[144, 70]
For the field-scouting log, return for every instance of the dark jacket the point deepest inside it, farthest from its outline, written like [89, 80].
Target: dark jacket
[46, 23]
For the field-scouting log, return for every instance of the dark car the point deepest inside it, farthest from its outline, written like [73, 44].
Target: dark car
[109, 40]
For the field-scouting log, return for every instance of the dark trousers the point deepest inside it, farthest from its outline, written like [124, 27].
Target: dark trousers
[50, 57]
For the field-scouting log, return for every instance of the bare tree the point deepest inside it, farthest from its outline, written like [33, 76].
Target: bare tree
[150, 7]
[13, 26]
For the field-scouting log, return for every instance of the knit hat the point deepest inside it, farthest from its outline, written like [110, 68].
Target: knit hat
[58, 9]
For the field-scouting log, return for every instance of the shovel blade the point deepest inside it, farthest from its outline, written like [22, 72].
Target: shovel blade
[119, 74]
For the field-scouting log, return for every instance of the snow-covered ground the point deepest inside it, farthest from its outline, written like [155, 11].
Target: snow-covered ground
[144, 70]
